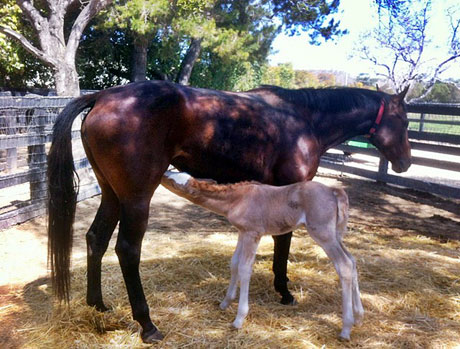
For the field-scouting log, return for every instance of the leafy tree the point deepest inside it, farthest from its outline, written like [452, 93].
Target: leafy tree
[305, 78]
[441, 92]
[221, 38]
[52, 43]
[9, 52]
[18, 68]
[282, 75]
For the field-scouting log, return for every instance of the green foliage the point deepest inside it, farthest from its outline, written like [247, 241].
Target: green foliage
[141, 16]
[305, 78]
[18, 68]
[103, 59]
[444, 93]
[236, 38]
[10, 61]
[282, 75]
[311, 16]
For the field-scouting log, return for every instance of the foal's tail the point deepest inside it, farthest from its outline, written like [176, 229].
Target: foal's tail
[62, 195]
[342, 210]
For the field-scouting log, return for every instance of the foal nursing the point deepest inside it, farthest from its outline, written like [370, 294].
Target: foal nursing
[257, 209]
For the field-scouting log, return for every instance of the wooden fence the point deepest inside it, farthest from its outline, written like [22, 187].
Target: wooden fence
[25, 135]
[434, 134]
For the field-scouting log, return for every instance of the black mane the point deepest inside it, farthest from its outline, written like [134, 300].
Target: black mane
[328, 100]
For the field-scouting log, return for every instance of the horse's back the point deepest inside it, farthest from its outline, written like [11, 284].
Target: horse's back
[128, 134]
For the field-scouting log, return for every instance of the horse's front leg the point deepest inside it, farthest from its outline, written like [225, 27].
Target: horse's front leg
[249, 243]
[300, 165]
[133, 223]
[280, 259]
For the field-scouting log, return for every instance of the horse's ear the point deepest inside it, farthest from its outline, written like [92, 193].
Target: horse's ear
[403, 93]
[377, 87]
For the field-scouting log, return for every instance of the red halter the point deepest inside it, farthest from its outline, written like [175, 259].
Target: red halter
[377, 120]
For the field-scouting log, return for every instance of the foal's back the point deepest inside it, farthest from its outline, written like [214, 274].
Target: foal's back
[277, 210]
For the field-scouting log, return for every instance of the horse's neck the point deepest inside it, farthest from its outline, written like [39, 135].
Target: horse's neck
[334, 129]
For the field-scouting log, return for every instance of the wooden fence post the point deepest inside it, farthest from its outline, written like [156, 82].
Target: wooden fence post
[383, 170]
[11, 153]
[422, 122]
[37, 159]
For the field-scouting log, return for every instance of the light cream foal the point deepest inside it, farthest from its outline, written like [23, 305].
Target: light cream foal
[257, 209]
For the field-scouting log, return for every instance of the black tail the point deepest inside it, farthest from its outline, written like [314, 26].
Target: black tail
[62, 195]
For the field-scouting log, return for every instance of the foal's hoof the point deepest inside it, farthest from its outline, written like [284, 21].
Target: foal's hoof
[152, 336]
[288, 300]
[224, 305]
[343, 337]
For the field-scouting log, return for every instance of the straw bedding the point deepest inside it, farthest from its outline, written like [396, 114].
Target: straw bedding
[408, 262]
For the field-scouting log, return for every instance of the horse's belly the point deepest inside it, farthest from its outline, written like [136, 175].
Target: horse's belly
[225, 167]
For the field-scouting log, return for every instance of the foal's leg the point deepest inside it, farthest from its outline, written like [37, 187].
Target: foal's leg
[231, 291]
[249, 243]
[344, 267]
[358, 309]
[280, 259]
[97, 240]
[133, 223]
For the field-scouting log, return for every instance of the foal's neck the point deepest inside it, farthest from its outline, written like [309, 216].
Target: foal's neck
[214, 197]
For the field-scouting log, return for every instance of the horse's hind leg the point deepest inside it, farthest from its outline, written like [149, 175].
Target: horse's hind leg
[97, 240]
[134, 214]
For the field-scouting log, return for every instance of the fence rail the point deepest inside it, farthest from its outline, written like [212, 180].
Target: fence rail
[25, 135]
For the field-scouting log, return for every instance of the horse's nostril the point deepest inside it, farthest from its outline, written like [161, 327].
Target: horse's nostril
[401, 165]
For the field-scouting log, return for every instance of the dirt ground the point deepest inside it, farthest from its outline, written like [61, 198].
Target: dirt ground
[381, 217]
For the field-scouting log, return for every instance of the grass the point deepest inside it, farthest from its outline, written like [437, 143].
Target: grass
[435, 128]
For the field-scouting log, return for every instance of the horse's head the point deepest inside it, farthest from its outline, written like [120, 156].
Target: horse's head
[391, 135]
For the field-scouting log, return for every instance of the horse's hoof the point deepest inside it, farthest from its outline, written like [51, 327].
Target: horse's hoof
[100, 307]
[152, 336]
[288, 300]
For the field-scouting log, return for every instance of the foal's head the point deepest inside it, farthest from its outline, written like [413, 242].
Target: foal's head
[391, 135]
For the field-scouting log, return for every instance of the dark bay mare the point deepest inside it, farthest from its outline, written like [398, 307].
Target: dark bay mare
[132, 133]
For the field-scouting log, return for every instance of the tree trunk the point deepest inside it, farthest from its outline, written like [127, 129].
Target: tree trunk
[139, 60]
[54, 50]
[66, 79]
[189, 61]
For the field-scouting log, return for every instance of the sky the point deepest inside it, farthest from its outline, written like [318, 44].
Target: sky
[357, 16]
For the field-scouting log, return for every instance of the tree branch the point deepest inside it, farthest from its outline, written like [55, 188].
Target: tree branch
[32, 13]
[88, 12]
[28, 45]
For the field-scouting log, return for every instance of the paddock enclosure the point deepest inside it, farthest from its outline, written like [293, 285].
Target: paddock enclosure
[407, 247]
[406, 243]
